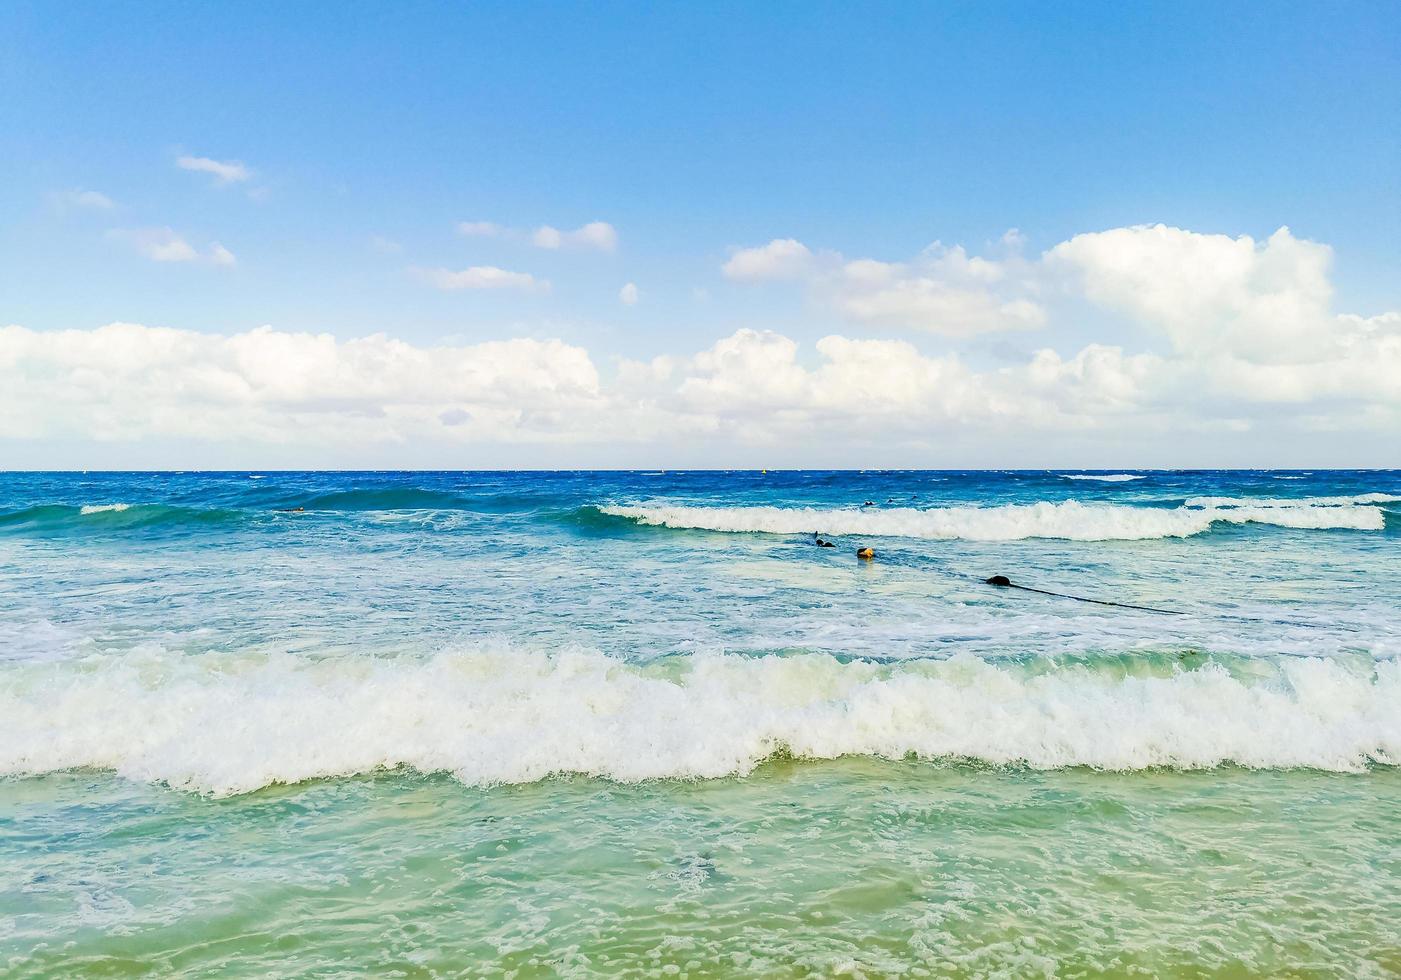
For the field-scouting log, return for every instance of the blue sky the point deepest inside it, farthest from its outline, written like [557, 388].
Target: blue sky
[368, 133]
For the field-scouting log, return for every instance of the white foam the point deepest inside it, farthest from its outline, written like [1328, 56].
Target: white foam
[1274, 502]
[101, 508]
[1011, 522]
[224, 724]
[1103, 478]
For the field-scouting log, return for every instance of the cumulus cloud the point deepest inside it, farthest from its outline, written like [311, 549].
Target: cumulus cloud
[483, 277]
[782, 258]
[127, 382]
[629, 295]
[755, 383]
[596, 234]
[165, 245]
[942, 290]
[223, 171]
[1257, 347]
[1265, 301]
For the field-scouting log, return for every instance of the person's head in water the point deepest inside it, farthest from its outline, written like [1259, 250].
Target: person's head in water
[866, 554]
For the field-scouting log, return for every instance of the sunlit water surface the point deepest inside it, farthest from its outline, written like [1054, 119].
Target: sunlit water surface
[598, 724]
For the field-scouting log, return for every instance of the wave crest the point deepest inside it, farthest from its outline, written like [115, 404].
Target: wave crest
[1069, 520]
[222, 724]
[1102, 477]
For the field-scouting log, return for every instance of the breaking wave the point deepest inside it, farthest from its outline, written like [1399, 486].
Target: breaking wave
[1275, 502]
[1069, 520]
[87, 509]
[225, 724]
[1102, 477]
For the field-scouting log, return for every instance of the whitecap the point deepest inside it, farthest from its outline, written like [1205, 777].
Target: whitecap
[1069, 520]
[1103, 478]
[226, 724]
[101, 508]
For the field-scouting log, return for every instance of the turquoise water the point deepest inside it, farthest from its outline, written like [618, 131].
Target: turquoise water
[599, 723]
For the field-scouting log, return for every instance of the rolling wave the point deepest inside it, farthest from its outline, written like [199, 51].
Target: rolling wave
[113, 516]
[1101, 477]
[1369, 499]
[1068, 520]
[225, 724]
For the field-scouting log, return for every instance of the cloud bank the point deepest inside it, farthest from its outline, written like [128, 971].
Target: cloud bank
[1212, 335]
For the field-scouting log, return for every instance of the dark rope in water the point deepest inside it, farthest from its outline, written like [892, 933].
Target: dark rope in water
[1002, 581]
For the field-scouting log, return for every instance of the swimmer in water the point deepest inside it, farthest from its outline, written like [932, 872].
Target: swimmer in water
[820, 542]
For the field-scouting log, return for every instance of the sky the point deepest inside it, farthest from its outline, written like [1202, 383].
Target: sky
[496, 235]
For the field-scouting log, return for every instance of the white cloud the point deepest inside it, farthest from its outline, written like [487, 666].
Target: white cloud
[1265, 301]
[596, 234]
[223, 171]
[128, 382]
[1222, 380]
[943, 290]
[479, 229]
[219, 255]
[754, 382]
[80, 199]
[782, 258]
[165, 245]
[483, 277]
[629, 295]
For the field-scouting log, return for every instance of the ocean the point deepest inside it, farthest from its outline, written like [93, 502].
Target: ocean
[638, 723]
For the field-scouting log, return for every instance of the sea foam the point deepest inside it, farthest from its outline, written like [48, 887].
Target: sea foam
[1069, 519]
[226, 724]
[102, 508]
[1342, 501]
[1102, 477]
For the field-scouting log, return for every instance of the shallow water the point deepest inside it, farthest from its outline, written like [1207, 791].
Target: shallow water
[537, 724]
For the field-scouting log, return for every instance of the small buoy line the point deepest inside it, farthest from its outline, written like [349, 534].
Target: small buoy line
[1003, 582]
[867, 554]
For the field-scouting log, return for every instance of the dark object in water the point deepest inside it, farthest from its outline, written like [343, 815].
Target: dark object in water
[1004, 582]
[290, 510]
[866, 554]
[869, 503]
